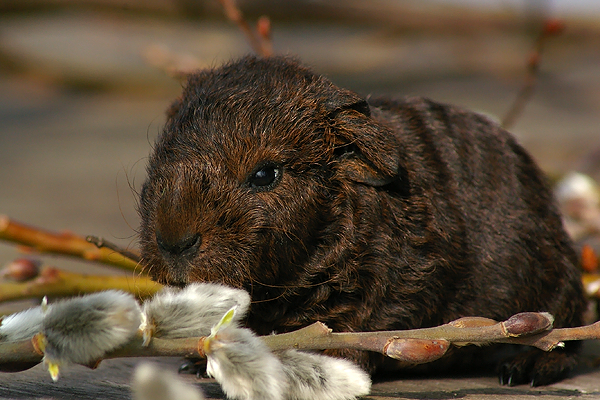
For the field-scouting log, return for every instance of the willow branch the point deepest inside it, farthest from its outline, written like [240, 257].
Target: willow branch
[15, 354]
[25, 352]
[61, 243]
[58, 283]
[464, 331]
[260, 40]
[413, 346]
[102, 243]
[550, 28]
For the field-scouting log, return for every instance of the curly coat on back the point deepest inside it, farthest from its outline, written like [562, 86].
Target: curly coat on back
[365, 214]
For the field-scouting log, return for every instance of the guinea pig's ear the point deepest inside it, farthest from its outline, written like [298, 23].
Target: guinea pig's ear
[342, 99]
[366, 151]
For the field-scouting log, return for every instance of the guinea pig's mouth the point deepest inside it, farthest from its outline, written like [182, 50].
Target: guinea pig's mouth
[176, 276]
[180, 273]
[179, 285]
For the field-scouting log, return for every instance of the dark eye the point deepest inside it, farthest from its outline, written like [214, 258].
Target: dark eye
[265, 176]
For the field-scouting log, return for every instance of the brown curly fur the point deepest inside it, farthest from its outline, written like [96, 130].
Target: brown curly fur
[386, 214]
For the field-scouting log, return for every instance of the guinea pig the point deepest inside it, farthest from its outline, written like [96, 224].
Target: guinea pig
[366, 214]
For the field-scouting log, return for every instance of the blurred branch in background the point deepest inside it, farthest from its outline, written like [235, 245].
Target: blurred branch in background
[380, 37]
[405, 15]
[22, 278]
[259, 38]
[65, 243]
[53, 282]
[550, 28]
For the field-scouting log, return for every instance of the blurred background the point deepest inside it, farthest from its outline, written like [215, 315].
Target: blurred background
[84, 84]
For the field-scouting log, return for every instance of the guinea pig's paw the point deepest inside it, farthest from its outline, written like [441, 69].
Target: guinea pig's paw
[194, 366]
[515, 370]
[536, 367]
[552, 367]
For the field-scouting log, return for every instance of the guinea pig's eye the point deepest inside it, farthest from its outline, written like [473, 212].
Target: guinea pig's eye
[265, 176]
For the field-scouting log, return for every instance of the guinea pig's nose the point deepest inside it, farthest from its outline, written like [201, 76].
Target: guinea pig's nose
[186, 245]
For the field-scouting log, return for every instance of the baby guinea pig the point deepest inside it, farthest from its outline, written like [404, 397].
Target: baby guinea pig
[365, 214]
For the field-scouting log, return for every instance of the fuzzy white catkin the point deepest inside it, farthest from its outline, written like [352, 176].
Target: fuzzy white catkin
[318, 377]
[22, 325]
[191, 311]
[246, 369]
[83, 329]
[153, 383]
[579, 187]
[244, 366]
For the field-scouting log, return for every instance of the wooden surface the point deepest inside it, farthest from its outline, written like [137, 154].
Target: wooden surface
[111, 381]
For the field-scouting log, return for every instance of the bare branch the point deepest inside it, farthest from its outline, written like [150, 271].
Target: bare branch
[15, 354]
[263, 28]
[57, 283]
[101, 243]
[61, 243]
[550, 28]
[259, 40]
[464, 331]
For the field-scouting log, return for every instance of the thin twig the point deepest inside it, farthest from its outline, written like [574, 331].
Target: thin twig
[263, 28]
[259, 40]
[550, 28]
[61, 243]
[101, 242]
[58, 283]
